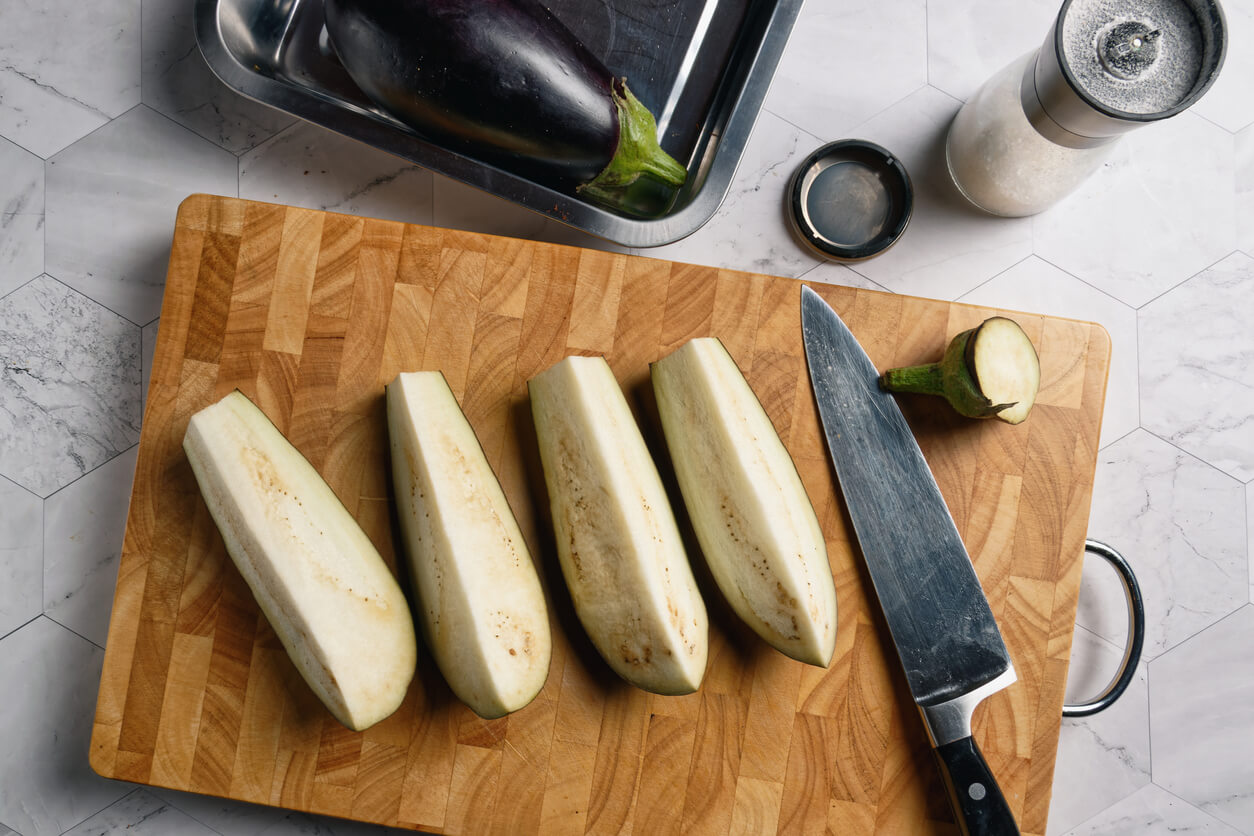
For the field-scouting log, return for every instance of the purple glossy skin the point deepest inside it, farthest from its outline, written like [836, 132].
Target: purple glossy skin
[500, 80]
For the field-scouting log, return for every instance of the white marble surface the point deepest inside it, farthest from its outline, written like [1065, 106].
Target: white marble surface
[70, 385]
[109, 118]
[1204, 734]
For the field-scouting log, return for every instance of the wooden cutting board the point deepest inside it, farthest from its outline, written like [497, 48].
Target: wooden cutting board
[310, 314]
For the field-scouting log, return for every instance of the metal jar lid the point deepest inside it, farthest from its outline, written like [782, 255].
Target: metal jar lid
[1108, 66]
[850, 200]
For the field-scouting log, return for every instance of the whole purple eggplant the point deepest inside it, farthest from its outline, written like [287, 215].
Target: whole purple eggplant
[503, 81]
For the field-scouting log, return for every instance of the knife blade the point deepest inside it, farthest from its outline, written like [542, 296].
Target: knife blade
[949, 644]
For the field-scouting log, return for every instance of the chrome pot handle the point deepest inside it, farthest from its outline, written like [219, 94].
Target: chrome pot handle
[1136, 635]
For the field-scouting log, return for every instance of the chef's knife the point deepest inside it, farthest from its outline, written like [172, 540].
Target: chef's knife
[950, 648]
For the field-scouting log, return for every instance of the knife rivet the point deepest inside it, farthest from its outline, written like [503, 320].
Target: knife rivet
[977, 791]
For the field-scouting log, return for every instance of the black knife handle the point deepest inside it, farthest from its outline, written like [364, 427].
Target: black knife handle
[977, 800]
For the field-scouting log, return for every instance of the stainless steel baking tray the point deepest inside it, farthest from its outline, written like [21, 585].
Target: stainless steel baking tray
[702, 67]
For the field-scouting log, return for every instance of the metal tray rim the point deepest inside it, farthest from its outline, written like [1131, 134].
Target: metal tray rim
[349, 120]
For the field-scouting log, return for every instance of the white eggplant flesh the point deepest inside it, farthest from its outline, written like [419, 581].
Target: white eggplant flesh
[617, 541]
[330, 597]
[1006, 367]
[480, 601]
[748, 506]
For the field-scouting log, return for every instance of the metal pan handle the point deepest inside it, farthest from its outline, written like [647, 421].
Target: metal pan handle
[1136, 635]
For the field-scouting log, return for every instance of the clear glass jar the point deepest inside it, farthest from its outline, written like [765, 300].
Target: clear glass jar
[1000, 162]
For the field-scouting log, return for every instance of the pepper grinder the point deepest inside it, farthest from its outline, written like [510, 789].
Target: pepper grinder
[1042, 125]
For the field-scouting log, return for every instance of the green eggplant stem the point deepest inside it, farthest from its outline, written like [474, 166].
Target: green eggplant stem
[927, 379]
[952, 379]
[638, 153]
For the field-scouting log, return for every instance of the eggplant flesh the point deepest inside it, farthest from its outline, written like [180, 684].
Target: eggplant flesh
[481, 605]
[748, 506]
[503, 81]
[326, 591]
[618, 544]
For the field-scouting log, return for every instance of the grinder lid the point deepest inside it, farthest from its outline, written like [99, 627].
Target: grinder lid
[850, 200]
[1108, 66]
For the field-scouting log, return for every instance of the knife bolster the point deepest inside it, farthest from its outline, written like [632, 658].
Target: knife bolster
[951, 720]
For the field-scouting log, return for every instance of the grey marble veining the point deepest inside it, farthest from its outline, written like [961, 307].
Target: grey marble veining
[1199, 386]
[1203, 723]
[1178, 522]
[309, 166]
[1152, 811]
[109, 118]
[178, 83]
[69, 390]
[83, 527]
[21, 556]
[21, 216]
[112, 199]
[1159, 210]
[848, 61]
[66, 68]
[456, 205]
[1114, 743]
[1245, 189]
[48, 681]
[141, 813]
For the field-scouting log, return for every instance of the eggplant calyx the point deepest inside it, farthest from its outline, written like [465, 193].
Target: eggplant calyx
[994, 358]
[638, 152]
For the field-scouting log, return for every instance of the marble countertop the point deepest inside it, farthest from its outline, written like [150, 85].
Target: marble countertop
[109, 118]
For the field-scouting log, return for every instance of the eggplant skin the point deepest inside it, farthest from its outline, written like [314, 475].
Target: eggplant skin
[500, 80]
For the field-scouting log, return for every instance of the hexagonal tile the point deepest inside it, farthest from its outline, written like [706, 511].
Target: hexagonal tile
[968, 42]
[178, 83]
[830, 272]
[147, 350]
[1245, 189]
[456, 205]
[1035, 286]
[1180, 524]
[1197, 366]
[83, 527]
[1158, 210]
[48, 683]
[1152, 811]
[112, 199]
[1105, 757]
[223, 815]
[846, 61]
[312, 167]
[1202, 733]
[68, 68]
[750, 231]
[949, 247]
[141, 813]
[70, 385]
[1227, 103]
[21, 569]
[21, 216]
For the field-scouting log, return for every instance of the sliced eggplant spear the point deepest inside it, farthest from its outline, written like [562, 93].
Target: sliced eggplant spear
[503, 81]
[480, 603]
[618, 544]
[750, 511]
[323, 586]
[990, 371]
